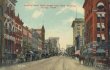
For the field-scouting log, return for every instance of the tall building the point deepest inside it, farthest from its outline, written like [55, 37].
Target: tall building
[78, 33]
[41, 33]
[96, 21]
[7, 39]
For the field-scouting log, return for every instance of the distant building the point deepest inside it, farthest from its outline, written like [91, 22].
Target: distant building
[78, 33]
[54, 44]
[41, 33]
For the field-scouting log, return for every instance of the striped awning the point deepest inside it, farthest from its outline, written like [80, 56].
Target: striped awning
[77, 52]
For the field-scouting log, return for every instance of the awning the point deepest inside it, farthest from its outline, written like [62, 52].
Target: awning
[98, 35]
[103, 26]
[31, 52]
[98, 15]
[103, 14]
[103, 37]
[98, 25]
[77, 52]
[100, 51]
[100, 4]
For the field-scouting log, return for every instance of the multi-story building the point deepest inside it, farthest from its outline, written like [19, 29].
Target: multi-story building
[47, 47]
[27, 39]
[17, 33]
[96, 21]
[54, 44]
[7, 18]
[41, 34]
[34, 40]
[78, 33]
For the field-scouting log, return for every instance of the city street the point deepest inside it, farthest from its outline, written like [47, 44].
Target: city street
[53, 63]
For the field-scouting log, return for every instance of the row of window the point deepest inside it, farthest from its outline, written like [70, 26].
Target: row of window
[100, 37]
[100, 26]
[101, 15]
[11, 28]
[100, 21]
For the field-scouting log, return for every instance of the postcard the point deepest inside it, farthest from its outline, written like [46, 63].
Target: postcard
[54, 34]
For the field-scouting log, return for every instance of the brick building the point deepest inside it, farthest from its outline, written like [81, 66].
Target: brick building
[96, 21]
[26, 39]
[41, 33]
[18, 33]
[8, 28]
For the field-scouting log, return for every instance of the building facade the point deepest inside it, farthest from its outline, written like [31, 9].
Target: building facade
[41, 34]
[7, 23]
[54, 45]
[96, 21]
[26, 39]
[78, 33]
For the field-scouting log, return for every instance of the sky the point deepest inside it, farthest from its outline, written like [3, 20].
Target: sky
[55, 15]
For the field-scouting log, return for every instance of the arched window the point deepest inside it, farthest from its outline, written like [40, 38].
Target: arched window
[100, 5]
[10, 27]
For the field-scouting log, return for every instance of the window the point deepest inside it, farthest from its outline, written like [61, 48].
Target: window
[103, 26]
[16, 25]
[98, 26]
[98, 38]
[19, 27]
[6, 25]
[98, 15]
[78, 28]
[100, 5]
[13, 29]
[103, 37]
[101, 15]
[1, 11]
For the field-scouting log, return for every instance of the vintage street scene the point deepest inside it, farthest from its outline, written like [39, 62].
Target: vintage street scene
[54, 34]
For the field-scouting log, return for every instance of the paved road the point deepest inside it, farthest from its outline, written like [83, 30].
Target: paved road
[53, 63]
